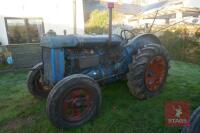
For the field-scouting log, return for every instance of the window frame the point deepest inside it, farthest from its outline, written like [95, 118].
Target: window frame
[26, 19]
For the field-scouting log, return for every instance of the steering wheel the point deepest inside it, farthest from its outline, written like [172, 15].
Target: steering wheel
[127, 34]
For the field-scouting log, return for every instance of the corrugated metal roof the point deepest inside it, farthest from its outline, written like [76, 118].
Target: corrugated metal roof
[154, 6]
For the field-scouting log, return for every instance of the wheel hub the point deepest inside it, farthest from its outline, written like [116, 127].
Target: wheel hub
[155, 73]
[77, 104]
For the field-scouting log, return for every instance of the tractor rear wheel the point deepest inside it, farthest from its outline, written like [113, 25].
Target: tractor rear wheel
[148, 71]
[73, 101]
[35, 84]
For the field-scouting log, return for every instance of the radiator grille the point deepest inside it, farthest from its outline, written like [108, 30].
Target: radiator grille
[46, 58]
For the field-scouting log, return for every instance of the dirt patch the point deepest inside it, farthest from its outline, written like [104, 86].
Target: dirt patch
[16, 123]
[3, 107]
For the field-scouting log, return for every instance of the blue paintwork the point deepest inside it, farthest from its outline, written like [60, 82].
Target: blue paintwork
[109, 71]
[61, 64]
[53, 65]
[72, 41]
[57, 64]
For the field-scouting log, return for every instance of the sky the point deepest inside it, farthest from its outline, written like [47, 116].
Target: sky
[35, 7]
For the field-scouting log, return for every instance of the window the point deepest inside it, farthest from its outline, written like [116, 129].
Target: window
[16, 30]
[24, 30]
[36, 30]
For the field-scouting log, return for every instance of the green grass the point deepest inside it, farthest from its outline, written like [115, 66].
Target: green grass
[120, 112]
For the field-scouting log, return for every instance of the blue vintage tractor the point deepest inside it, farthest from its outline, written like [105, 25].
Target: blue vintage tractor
[74, 66]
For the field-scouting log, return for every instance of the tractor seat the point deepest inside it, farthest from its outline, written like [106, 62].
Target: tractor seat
[86, 41]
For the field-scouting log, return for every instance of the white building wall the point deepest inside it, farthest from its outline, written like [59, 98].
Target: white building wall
[3, 33]
[191, 3]
[57, 14]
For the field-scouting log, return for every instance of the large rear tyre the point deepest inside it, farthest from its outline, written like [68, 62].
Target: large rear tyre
[73, 101]
[35, 84]
[148, 71]
[194, 123]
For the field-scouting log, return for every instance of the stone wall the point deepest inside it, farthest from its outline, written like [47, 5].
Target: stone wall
[25, 55]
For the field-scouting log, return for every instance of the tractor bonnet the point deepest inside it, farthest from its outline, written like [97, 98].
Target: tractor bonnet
[85, 41]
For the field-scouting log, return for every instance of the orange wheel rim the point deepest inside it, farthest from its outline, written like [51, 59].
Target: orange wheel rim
[155, 73]
[77, 104]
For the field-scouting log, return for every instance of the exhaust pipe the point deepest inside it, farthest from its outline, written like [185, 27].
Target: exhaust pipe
[110, 7]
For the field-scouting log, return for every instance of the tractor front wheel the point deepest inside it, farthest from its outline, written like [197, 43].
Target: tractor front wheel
[148, 71]
[35, 83]
[73, 101]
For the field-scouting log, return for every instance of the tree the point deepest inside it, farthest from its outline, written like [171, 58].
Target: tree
[97, 23]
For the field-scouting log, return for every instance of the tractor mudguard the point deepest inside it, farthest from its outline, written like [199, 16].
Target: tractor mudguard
[140, 40]
[36, 66]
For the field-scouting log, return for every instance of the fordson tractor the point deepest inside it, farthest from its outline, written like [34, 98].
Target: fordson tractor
[74, 67]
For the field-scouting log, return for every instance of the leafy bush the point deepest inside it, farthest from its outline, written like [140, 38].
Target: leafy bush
[181, 45]
[197, 33]
[98, 22]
